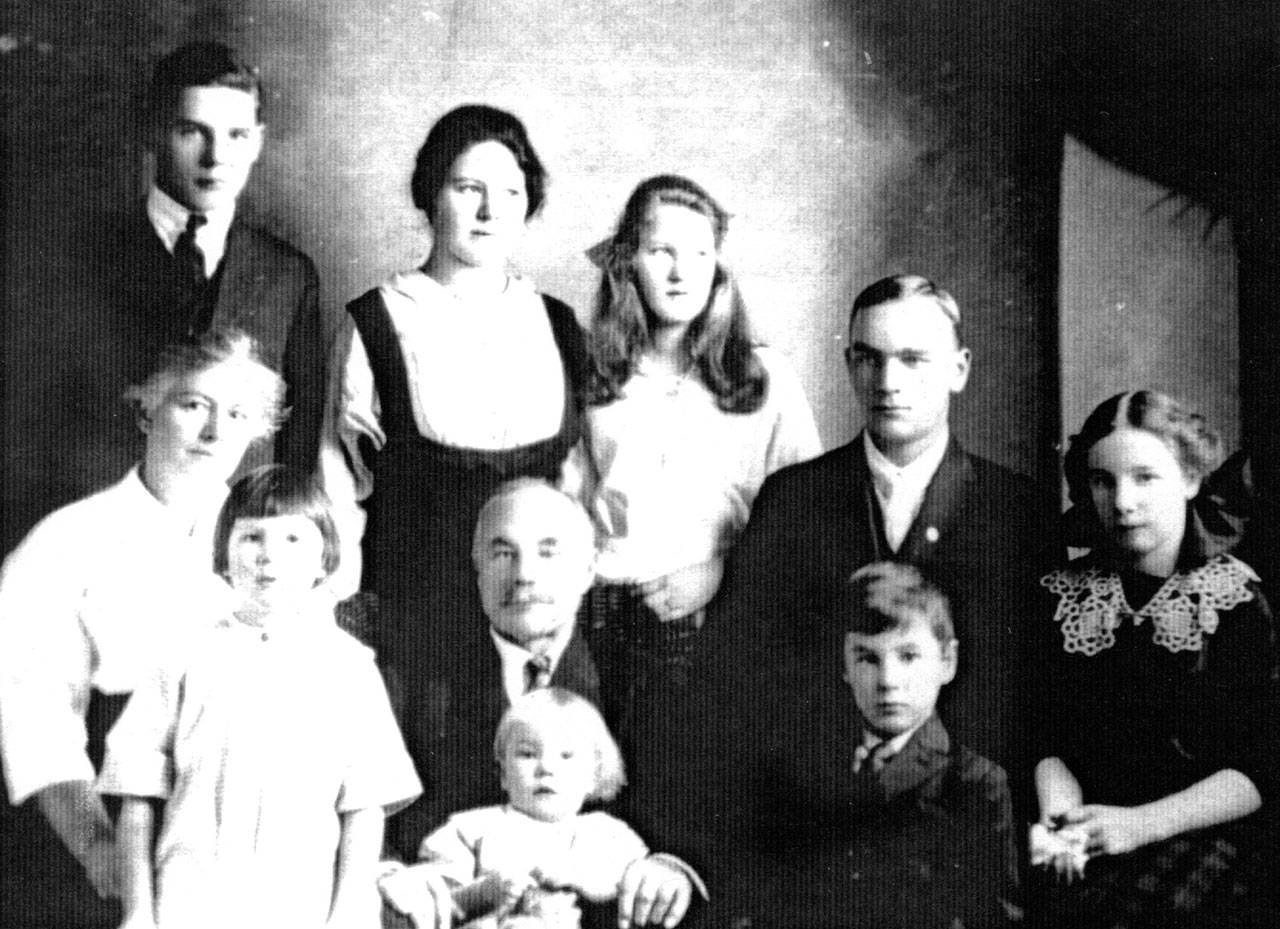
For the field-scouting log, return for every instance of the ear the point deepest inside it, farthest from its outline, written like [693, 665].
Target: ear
[144, 420]
[258, 137]
[963, 360]
[1192, 488]
[950, 660]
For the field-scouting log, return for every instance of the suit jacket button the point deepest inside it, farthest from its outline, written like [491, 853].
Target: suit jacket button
[931, 534]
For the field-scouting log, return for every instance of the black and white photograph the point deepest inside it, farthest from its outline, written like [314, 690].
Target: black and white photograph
[583, 464]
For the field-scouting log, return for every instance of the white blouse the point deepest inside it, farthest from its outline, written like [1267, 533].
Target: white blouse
[483, 374]
[95, 595]
[677, 475]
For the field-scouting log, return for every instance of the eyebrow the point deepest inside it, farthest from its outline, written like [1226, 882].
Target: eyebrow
[866, 349]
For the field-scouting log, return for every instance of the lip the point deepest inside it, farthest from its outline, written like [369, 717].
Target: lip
[891, 708]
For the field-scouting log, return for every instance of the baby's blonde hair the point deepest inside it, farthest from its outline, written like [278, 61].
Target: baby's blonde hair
[572, 713]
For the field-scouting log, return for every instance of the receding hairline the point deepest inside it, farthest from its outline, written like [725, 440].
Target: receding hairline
[501, 502]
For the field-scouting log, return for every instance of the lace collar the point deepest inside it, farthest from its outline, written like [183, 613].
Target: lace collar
[1092, 605]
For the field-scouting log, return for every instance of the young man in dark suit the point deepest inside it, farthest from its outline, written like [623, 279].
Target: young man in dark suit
[175, 264]
[904, 490]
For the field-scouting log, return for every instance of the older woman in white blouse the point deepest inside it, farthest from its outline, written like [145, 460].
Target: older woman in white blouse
[90, 599]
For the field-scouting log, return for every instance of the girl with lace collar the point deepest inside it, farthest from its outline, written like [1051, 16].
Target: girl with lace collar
[1159, 661]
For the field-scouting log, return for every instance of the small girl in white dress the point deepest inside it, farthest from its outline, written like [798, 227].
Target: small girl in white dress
[270, 742]
[529, 861]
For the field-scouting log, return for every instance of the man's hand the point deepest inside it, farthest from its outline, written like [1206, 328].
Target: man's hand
[420, 893]
[653, 892]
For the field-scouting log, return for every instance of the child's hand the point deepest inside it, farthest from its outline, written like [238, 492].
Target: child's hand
[1062, 848]
[139, 921]
[1111, 830]
[420, 893]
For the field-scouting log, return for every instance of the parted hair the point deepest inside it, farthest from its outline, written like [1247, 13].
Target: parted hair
[568, 712]
[1196, 446]
[718, 341]
[458, 130]
[888, 596]
[899, 287]
[218, 346]
[200, 64]
[276, 490]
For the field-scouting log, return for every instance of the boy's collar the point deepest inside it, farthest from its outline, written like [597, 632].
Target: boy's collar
[917, 758]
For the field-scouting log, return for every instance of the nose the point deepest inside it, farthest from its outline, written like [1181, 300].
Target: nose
[673, 273]
[211, 431]
[1124, 497]
[888, 376]
[484, 208]
[212, 152]
[889, 676]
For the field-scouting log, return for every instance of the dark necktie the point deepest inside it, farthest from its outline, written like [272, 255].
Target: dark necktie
[537, 672]
[873, 759]
[187, 256]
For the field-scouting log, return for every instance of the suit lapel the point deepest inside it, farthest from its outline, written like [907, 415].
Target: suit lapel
[943, 505]
[576, 671]
[241, 279]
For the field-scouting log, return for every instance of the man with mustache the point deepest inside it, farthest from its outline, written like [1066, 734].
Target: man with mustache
[534, 555]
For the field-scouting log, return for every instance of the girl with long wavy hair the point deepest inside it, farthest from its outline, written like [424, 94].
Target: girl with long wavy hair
[687, 416]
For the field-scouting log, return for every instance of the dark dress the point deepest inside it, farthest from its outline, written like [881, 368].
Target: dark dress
[422, 511]
[1143, 701]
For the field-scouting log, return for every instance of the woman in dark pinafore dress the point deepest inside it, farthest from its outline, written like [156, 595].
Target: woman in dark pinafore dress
[453, 378]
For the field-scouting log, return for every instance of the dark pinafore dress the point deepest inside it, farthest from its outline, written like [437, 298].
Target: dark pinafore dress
[426, 496]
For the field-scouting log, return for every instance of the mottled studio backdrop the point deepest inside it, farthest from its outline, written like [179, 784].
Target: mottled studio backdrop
[849, 139]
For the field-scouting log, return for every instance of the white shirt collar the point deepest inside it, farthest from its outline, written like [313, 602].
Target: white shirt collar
[870, 740]
[169, 219]
[901, 490]
[917, 473]
[514, 657]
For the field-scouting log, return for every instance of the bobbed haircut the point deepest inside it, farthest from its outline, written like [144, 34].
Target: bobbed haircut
[224, 345]
[276, 490]
[566, 711]
[899, 287]
[200, 64]
[889, 596]
[718, 341]
[579, 522]
[458, 130]
[1195, 445]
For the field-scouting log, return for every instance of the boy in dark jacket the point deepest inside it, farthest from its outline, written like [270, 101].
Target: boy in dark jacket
[860, 811]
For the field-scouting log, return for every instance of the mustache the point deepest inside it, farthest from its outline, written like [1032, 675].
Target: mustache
[527, 599]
